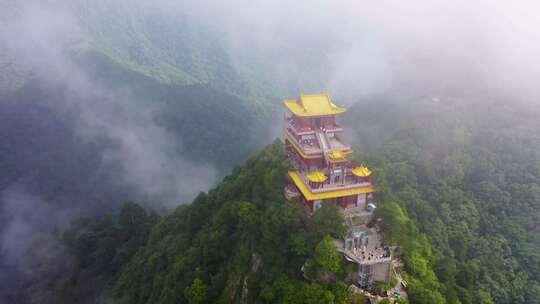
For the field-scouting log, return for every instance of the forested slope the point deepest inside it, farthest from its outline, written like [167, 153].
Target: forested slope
[103, 102]
[468, 174]
[171, 46]
[45, 118]
[241, 242]
[65, 151]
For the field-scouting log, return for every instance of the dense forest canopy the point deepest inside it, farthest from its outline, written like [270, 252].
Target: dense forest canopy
[446, 188]
[468, 176]
[69, 150]
[241, 242]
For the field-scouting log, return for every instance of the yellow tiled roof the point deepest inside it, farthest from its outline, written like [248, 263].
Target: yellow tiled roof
[317, 177]
[329, 194]
[337, 156]
[313, 105]
[361, 171]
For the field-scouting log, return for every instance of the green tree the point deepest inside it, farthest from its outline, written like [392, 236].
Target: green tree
[340, 292]
[196, 293]
[401, 301]
[327, 220]
[356, 298]
[317, 294]
[533, 292]
[327, 257]
[247, 215]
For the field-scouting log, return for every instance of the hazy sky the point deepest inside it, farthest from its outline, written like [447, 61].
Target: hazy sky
[361, 48]
[350, 48]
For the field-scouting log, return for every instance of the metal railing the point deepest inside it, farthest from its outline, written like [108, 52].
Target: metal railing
[331, 187]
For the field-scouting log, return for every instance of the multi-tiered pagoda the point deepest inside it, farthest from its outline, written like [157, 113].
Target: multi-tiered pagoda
[322, 170]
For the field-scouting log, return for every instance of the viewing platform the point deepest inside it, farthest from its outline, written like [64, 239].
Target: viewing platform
[306, 147]
[328, 191]
[311, 146]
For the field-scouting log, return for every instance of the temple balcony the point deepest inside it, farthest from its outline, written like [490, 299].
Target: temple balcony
[306, 130]
[350, 181]
[298, 131]
[309, 147]
[337, 145]
[332, 128]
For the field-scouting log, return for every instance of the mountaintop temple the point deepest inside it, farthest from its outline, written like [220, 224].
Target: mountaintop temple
[322, 169]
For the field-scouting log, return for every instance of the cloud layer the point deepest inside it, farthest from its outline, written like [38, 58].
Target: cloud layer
[37, 43]
[362, 48]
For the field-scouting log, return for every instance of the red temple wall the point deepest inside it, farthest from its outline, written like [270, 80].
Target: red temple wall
[349, 201]
[345, 202]
[304, 123]
[315, 162]
[328, 121]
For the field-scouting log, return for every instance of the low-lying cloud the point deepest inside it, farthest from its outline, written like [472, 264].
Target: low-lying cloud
[363, 48]
[39, 39]
[37, 42]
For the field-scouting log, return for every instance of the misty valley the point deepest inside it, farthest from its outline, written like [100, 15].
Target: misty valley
[269, 152]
